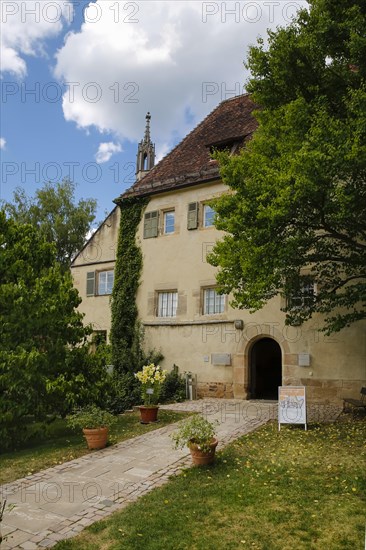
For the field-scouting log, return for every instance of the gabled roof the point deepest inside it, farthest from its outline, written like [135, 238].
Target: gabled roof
[92, 237]
[190, 163]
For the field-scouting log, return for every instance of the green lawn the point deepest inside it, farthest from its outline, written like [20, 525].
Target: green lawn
[269, 490]
[60, 444]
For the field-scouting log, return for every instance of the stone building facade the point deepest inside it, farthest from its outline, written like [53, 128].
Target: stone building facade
[233, 353]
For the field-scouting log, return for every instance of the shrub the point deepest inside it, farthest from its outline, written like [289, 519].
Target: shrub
[123, 393]
[173, 387]
[195, 429]
[90, 417]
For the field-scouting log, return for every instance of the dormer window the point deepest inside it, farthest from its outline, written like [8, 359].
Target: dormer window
[231, 146]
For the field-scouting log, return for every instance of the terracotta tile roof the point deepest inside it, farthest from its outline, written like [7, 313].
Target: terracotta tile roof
[189, 162]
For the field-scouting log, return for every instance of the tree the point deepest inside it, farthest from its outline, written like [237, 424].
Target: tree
[296, 212]
[44, 361]
[56, 215]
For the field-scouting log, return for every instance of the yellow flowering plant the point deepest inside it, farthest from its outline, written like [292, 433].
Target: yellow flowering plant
[151, 378]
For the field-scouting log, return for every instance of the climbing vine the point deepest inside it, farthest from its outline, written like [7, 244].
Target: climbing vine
[124, 330]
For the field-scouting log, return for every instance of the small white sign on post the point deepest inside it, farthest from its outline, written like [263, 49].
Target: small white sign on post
[291, 405]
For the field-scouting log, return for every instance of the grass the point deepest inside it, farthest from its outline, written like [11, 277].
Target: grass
[269, 490]
[60, 444]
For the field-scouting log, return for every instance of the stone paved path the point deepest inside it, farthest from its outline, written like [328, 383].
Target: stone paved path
[59, 502]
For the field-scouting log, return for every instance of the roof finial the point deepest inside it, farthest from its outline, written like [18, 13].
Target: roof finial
[145, 153]
[147, 129]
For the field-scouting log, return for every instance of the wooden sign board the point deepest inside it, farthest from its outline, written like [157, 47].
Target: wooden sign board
[291, 405]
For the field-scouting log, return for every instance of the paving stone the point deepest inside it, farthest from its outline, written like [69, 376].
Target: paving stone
[64, 530]
[36, 538]
[68, 535]
[46, 543]
[55, 536]
[28, 545]
[87, 521]
[16, 538]
[45, 533]
[107, 502]
[65, 523]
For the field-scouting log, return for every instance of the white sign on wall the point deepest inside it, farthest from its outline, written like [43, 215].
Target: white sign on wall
[291, 405]
[304, 359]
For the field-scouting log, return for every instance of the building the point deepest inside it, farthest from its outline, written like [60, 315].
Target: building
[234, 353]
[93, 274]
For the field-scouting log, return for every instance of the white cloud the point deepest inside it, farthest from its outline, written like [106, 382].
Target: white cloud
[163, 150]
[106, 150]
[2, 143]
[90, 233]
[25, 25]
[176, 59]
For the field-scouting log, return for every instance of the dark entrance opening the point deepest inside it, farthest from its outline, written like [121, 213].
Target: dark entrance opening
[265, 369]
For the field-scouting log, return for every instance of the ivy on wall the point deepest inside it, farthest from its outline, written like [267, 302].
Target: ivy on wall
[127, 280]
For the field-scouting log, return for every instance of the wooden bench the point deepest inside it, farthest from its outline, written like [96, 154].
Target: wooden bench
[358, 403]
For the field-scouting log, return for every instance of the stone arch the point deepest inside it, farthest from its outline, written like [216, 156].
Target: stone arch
[265, 367]
[241, 359]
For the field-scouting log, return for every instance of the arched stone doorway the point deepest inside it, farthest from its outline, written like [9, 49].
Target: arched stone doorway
[265, 369]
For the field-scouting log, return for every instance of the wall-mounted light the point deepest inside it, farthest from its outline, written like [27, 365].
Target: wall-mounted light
[239, 324]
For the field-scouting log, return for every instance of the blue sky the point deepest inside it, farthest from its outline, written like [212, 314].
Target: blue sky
[96, 68]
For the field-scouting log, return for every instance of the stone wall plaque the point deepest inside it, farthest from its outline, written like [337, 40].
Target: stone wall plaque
[221, 359]
[304, 359]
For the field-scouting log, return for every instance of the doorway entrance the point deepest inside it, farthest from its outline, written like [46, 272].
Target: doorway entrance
[265, 369]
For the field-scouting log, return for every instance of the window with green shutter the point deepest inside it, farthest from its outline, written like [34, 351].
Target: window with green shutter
[151, 221]
[105, 282]
[90, 283]
[192, 220]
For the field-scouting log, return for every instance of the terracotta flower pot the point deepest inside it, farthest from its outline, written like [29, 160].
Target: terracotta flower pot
[96, 438]
[148, 414]
[200, 457]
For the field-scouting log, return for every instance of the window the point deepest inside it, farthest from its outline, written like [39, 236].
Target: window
[99, 283]
[105, 282]
[213, 302]
[303, 297]
[151, 221]
[208, 216]
[167, 304]
[169, 221]
[231, 146]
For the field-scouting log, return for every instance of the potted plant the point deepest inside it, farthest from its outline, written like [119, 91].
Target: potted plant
[151, 378]
[198, 434]
[95, 423]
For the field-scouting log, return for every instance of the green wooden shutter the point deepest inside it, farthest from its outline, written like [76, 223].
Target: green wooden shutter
[151, 224]
[192, 219]
[90, 283]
